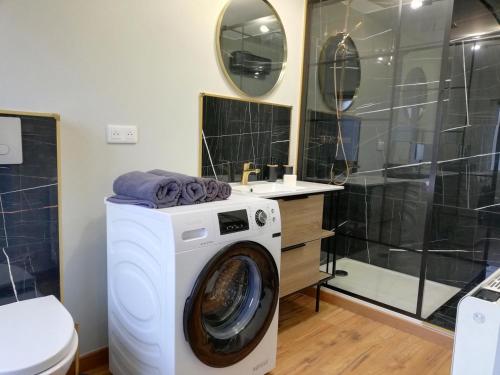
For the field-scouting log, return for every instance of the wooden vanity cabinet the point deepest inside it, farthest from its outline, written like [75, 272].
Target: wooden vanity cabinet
[301, 219]
[301, 232]
[300, 267]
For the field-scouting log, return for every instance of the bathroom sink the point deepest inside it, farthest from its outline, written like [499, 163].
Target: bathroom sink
[266, 188]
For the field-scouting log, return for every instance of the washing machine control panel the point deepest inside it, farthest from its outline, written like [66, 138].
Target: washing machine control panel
[233, 221]
[260, 218]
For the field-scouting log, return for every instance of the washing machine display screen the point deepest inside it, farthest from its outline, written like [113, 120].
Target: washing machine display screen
[233, 221]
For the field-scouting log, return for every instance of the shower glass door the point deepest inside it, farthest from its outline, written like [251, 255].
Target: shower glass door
[388, 133]
[465, 238]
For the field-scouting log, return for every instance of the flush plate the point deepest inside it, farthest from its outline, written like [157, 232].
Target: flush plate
[11, 145]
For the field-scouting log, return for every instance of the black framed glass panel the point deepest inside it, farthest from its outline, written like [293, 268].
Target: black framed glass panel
[381, 147]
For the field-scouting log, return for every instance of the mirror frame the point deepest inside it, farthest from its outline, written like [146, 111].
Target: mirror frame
[321, 83]
[218, 52]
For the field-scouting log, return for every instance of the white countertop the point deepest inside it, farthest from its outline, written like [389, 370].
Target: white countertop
[265, 189]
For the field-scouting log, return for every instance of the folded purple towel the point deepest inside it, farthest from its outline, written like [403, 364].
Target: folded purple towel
[212, 188]
[141, 187]
[224, 190]
[192, 188]
[121, 199]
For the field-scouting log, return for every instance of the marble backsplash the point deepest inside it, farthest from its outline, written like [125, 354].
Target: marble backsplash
[29, 222]
[236, 131]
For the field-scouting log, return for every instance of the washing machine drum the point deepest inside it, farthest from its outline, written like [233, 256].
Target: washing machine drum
[232, 304]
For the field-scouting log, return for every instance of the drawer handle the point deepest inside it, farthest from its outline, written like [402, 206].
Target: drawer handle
[293, 247]
[295, 197]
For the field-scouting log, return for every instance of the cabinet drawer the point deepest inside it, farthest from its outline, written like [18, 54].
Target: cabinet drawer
[301, 219]
[299, 267]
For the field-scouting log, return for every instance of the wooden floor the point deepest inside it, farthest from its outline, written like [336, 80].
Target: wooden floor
[336, 341]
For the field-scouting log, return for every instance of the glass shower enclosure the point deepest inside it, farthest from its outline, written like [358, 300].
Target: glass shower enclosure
[401, 104]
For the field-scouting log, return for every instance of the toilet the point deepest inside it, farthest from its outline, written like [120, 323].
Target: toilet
[38, 336]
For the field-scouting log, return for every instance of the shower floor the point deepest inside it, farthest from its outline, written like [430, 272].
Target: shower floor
[390, 287]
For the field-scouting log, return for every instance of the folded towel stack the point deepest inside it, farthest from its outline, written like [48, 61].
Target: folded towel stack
[160, 189]
[212, 189]
[192, 188]
[146, 189]
[224, 190]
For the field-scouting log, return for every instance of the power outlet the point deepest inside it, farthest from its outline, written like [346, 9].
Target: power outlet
[122, 134]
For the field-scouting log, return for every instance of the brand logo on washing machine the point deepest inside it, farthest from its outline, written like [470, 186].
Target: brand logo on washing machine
[260, 365]
[206, 243]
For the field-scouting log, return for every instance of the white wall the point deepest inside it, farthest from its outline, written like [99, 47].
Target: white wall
[127, 62]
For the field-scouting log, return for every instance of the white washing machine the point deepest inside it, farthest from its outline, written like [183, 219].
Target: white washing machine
[194, 289]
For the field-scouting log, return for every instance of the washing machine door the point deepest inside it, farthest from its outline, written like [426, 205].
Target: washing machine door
[232, 304]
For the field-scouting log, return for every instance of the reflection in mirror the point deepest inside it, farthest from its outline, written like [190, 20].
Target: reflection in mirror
[339, 72]
[414, 94]
[251, 46]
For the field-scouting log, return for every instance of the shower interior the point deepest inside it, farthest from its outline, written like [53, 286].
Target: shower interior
[391, 288]
[417, 225]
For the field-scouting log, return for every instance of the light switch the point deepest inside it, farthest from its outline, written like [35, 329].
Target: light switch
[11, 144]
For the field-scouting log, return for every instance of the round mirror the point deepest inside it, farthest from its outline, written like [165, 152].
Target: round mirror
[414, 94]
[339, 72]
[252, 46]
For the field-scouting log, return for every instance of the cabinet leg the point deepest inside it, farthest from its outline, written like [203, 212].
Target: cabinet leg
[318, 289]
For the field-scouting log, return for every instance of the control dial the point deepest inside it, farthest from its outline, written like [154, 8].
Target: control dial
[260, 218]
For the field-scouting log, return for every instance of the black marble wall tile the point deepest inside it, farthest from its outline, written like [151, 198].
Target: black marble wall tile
[29, 222]
[389, 211]
[465, 244]
[321, 152]
[237, 131]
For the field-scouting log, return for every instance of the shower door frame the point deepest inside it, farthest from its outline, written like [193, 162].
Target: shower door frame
[439, 121]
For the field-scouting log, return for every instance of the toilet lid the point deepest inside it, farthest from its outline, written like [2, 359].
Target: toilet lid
[35, 335]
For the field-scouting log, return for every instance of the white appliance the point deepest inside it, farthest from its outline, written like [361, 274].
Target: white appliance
[477, 333]
[194, 289]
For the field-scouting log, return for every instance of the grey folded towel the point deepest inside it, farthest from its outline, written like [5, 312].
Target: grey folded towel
[192, 188]
[224, 190]
[140, 188]
[121, 199]
[212, 188]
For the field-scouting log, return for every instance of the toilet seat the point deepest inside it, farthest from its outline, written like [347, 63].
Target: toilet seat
[61, 367]
[36, 335]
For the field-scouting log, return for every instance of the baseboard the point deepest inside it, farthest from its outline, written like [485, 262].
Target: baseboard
[94, 360]
[413, 326]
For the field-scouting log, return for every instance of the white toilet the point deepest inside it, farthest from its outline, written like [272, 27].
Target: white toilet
[37, 336]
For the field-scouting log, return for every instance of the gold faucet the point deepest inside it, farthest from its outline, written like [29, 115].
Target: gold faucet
[247, 172]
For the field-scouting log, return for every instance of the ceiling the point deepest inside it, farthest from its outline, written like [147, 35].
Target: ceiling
[474, 17]
[370, 6]
[240, 11]
[244, 19]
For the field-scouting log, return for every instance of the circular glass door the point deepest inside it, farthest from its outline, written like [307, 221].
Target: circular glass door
[232, 304]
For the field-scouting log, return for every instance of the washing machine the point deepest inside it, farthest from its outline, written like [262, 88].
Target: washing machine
[194, 289]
